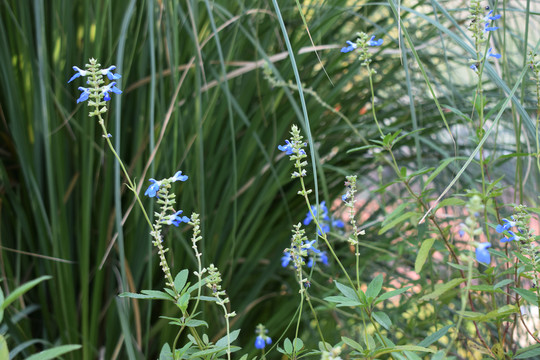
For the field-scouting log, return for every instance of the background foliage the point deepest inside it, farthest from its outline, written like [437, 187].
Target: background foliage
[196, 99]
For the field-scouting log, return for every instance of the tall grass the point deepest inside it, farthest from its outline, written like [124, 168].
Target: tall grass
[195, 99]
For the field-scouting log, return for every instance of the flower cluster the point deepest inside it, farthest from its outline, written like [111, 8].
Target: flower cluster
[97, 91]
[505, 229]
[362, 44]
[299, 250]
[294, 148]
[313, 256]
[480, 26]
[160, 189]
[320, 215]
[262, 339]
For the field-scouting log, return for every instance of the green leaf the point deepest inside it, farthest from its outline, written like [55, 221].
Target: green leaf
[382, 319]
[343, 301]
[18, 292]
[396, 221]
[363, 148]
[347, 291]
[374, 287]
[183, 301]
[287, 346]
[232, 336]
[435, 336]
[441, 289]
[353, 344]
[486, 288]
[54, 353]
[180, 280]
[434, 174]
[423, 254]
[148, 294]
[4, 350]
[391, 294]
[528, 295]
[503, 283]
[527, 354]
[449, 202]
[298, 344]
[403, 348]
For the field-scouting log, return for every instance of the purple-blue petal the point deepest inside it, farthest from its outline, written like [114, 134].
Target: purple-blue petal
[482, 254]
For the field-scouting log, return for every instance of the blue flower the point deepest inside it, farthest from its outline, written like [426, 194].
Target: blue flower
[79, 73]
[324, 229]
[287, 148]
[373, 42]
[482, 254]
[489, 17]
[107, 89]
[345, 196]
[349, 48]
[324, 213]
[268, 340]
[153, 189]
[338, 223]
[286, 259]
[491, 54]
[311, 262]
[507, 225]
[179, 177]
[84, 95]
[109, 73]
[310, 246]
[507, 239]
[324, 258]
[176, 219]
[259, 342]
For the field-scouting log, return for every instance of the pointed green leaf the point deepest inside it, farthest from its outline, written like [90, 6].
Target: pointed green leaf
[353, 344]
[54, 353]
[435, 336]
[347, 291]
[528, 295]
[180, 280]
[382, 319]
[397, 221]
[441, 289]
[423, 254]
[374, 287]
[391, 294]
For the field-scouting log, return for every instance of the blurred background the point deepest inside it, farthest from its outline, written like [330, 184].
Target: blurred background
[197, 97]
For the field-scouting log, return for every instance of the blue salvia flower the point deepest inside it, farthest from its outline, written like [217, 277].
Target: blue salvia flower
[373, 42]
[108, 88]
[179, 177]
[324, 258]
[482, 254]
[84, 95]
[259, 342]
[287, 148]
[488, 18]
[286, 259]
[262, 339]
[314, 209]
[153, 189]
[508, 239]
[492, 54]
[352, 46]
[109, 73]
[175, 219]
[506, 226]
[80, 72]
[308, 245]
